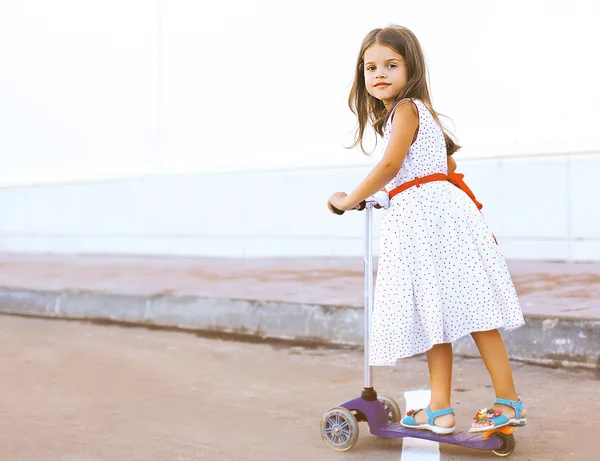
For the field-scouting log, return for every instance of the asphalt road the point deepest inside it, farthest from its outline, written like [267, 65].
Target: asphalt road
[78, 391]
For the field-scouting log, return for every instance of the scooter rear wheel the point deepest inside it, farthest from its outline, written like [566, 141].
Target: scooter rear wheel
[508, 444]
[339, 429]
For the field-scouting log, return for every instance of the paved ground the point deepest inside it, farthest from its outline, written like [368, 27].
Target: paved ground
[74, 391]
[544, 288]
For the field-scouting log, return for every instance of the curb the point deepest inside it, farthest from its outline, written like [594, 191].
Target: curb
[552, 341]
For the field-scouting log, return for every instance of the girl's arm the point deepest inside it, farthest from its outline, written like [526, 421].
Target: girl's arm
[404, 126]
[451, 164]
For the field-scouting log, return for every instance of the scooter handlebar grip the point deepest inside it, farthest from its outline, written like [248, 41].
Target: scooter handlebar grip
[361, 206]
[336, 211]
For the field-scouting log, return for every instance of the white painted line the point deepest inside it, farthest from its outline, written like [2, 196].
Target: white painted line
[418, 449]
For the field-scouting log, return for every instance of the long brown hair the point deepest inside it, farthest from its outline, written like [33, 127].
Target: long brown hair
[370, 109]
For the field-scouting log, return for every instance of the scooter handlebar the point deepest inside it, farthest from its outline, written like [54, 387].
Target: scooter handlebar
[379, 200]
[361, 206]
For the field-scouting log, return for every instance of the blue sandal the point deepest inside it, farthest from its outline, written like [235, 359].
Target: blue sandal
[409, 421]
[497, 418]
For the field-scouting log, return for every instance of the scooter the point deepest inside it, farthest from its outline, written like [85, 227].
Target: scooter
[339, 425]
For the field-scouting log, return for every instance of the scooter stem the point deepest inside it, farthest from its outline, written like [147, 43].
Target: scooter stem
[368, 293]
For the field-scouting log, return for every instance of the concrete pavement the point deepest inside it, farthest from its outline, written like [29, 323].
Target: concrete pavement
[73, 391]
[316, 300]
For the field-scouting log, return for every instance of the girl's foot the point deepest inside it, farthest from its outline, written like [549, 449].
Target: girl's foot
[446, 421]
[504, 413]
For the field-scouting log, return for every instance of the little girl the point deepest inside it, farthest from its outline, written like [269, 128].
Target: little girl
[441, 275]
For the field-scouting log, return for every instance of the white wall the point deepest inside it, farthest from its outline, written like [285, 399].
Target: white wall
[280, 213]
[115, 117]
[78, 90]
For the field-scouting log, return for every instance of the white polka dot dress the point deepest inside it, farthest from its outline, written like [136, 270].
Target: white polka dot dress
[440, 275]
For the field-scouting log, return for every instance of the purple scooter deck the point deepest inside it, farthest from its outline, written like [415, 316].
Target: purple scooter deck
[380, 425]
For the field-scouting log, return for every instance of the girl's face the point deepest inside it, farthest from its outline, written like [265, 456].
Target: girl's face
[385, 73]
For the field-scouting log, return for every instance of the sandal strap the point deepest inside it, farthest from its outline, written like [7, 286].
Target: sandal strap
[431, 415]
[518, 406]
[410, 417]
[496, 420]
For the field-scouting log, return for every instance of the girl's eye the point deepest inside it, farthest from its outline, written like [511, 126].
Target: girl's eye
[391, 66]
[370, 68]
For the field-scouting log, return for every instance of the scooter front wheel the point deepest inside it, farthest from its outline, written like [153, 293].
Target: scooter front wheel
[339, 429]
[391, 408]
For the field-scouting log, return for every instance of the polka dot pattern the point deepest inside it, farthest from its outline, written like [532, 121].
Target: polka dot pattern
[441, 275]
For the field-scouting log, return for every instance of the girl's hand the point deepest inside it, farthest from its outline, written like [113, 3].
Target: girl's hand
[338, 200]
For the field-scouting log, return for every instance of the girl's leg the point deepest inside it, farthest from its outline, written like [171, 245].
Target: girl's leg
[494, 355]
[439, 360]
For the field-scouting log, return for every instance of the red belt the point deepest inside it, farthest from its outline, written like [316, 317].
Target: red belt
[454, 178]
